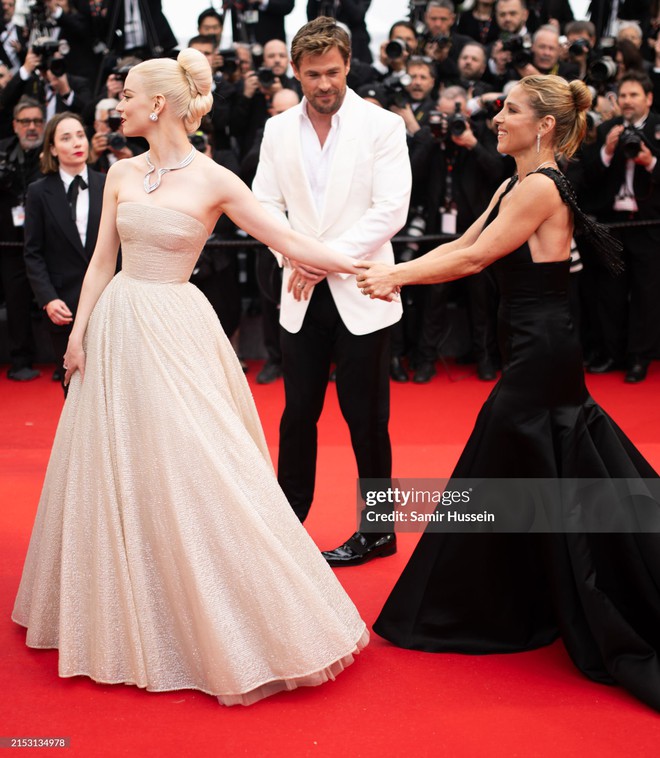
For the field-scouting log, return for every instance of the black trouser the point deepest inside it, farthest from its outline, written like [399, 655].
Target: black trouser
[269, 279]
[363, 389]
[629, 304]
[18, 297]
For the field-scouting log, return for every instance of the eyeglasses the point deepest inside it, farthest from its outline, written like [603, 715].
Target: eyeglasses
[28, 121]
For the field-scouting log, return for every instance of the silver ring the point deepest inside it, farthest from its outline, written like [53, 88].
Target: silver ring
[364, 291]
[301, 285]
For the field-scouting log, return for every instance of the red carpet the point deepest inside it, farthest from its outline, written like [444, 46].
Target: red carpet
[391, 702]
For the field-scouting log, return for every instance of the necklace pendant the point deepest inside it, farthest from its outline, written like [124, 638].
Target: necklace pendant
[150, 187]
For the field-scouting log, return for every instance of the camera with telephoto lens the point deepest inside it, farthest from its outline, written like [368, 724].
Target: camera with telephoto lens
[416, 228]
[394, 90]
[266, 77]
[116, 140]
[396, 49]
[520, 48]
[603, 68]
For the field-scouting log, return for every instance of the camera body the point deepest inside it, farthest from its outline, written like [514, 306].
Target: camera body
[229, 62]
[394, 89]
[630, 142]
[266, 77]
[199, 141]
[579, 47]
[396, 49]
[444, 126]
[7, 171]
[520, 48]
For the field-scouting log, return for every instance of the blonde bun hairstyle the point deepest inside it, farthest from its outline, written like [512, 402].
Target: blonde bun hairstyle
[185, 83]
[568, 102]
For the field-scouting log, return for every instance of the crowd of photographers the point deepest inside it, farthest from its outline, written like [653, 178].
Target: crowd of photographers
[444, 71]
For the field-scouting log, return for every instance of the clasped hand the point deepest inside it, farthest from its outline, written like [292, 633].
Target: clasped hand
[377, 280]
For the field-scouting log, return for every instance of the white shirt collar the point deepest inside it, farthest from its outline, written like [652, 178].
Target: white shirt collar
[68, 178]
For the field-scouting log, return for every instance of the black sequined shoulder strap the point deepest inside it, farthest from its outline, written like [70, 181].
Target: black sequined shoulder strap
[593, 238]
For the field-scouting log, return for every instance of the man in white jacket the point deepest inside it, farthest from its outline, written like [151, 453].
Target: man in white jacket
[335, 167]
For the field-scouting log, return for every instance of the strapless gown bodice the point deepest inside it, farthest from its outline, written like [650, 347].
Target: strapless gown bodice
[158, 244]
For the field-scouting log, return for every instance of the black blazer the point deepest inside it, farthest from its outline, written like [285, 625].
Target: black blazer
[55, 258]
[604, 181]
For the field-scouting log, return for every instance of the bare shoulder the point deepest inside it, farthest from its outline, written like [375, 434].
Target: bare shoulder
[542, 188]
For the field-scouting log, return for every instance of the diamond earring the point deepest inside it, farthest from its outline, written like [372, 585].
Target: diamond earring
[154, 117]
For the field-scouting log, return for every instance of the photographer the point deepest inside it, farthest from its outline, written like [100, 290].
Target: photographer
[456, 168]
[412, 100]
[624, 174]
[44, 78]
[472, 67]
[12, 38]
[401, 43]
[72, 21]
[19, 167]
[580, 45]
[439, 41]
[255, 93]
[108, 145]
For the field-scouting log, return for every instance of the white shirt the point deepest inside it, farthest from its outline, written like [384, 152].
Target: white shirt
[82, 204]
[133, 28]
[317, 160]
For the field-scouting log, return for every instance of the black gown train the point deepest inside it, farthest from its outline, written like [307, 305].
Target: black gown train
[501, 593]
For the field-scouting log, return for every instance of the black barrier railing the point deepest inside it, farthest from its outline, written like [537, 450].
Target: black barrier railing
[249, 242]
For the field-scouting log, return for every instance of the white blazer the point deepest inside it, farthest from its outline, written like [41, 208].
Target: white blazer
[366, 202]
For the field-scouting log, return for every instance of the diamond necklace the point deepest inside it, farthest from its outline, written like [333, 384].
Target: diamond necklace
[148, 187]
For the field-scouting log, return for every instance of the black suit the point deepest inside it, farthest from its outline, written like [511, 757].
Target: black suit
[35, 87]
[153, 18]
[475, 175]
[270, 24]
[55, 258]
[629, 306]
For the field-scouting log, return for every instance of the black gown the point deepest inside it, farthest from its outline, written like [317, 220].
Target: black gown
[501, 593]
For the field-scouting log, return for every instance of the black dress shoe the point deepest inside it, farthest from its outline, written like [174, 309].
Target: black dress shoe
[424, 373]
[486, 371]
[636, 371]
[359, 549]
[25, 374]
[397, 371]
[603, 366]
[269, 373]
[57, 375]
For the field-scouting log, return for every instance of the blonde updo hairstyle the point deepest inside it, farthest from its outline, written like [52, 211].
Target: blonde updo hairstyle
[567, 102]
[185, 83]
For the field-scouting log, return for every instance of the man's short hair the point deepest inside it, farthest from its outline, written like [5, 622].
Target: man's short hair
[317, 38]
[203, 39]
[545, 28]
[580, 27]
[637, 76]
[421, 60]
[454, 93]
[27, 102]
[210, 13]
[446, 4]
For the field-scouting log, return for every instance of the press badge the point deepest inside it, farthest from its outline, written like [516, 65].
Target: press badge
[18, 215]
[448, 221]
